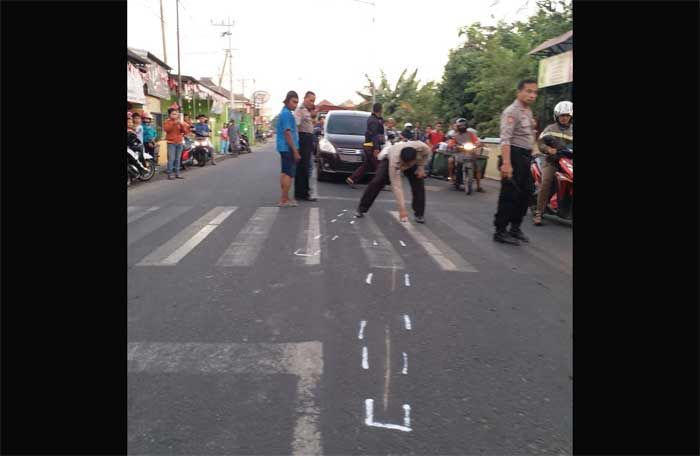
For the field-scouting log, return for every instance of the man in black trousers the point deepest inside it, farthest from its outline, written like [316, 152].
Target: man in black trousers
[517, 140]
[304, 115]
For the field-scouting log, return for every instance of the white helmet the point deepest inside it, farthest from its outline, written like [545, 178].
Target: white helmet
[563, 107]
[407, 124]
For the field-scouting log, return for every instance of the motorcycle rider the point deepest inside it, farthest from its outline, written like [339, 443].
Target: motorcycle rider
[150, 135]
[563, 130]
[461, 137]
[202, 131]
[408, 134]
[133, 142]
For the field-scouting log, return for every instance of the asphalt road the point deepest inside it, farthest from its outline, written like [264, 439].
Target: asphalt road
[261, 330]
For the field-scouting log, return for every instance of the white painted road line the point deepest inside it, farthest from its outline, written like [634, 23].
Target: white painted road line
[335, 237]
[383, 254]
[250, 240]
[170, 253]
[407, 280]
[303, 359]
[313, 234]
[407, 322]
[368, 280]
[369, 418]
[405, 364]
[361, 334]
[403, 244]
[147, 226]
[365, 361]
[446, 257]
[137, 214]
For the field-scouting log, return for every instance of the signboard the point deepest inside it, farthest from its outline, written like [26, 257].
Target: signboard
[134, 85]
[157, 81]
[557, 69]
[261, 97]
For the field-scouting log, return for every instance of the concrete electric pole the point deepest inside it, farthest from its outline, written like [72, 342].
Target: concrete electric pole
[228, 26]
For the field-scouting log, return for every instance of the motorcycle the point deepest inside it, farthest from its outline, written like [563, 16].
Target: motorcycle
[464, 170]
[201, 150]
[244, 144]
[186, 157]
[561, 203]
[260, 136]
[139, 169]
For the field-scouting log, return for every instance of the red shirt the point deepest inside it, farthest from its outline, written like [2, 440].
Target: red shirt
[436, 137]
[174, 131]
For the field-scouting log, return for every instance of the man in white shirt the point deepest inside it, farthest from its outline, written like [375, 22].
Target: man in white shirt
[409, 158]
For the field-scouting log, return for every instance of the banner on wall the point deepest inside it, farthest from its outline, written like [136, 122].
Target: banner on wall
[134, 85]
[157, 81]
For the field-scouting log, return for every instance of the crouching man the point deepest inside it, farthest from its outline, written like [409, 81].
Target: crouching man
[408, 158]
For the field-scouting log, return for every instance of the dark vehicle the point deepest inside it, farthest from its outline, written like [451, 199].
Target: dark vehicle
[340, 150]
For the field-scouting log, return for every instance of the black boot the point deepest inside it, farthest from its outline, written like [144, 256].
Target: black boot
[504, 237]
[518, 234]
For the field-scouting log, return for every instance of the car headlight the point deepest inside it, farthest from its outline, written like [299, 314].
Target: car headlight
[326, 146]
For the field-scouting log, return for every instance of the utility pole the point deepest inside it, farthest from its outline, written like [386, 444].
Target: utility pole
[179, 72]
[228, 32]
[162, 29]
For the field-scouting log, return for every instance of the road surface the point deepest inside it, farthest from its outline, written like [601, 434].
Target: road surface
[254, 329]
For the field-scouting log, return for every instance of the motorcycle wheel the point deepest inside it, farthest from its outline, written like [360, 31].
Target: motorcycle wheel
[150, 166]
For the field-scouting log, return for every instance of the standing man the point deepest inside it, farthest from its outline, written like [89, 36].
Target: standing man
[288, 146]
[408, 158]
[375, 135]
[174, 135]
[304, 116]
[563, 130]
[517, 140]
[233, 137]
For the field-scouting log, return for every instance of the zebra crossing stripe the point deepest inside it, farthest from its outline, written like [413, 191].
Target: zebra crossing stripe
[170, 253]
[137, 214]
[249, 241]
[441, 253]
[383, 255]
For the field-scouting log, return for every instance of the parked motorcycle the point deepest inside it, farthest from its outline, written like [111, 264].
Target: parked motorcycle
[136, 168]
[244, 144]
[186, 157]
[561, 203]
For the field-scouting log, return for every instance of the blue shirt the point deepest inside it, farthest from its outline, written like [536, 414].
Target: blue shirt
[201, 129]
[149, 133]
[285, 122]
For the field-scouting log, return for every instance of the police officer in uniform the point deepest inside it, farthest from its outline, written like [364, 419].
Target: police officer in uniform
[517, 140]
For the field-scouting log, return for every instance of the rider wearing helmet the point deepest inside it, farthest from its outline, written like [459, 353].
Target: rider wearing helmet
[462, 136]
[407, 134]
[149, 134]
[562, 130]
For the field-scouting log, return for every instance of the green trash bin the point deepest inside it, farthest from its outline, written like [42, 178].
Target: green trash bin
[439, 168]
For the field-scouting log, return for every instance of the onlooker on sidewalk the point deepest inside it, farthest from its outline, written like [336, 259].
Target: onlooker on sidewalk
[174, 135]
[517, 141]
[138, 128]
[288, 146]
[149, 136]
[304, 119]
[223, 135]
[375, 135]
[233, 137]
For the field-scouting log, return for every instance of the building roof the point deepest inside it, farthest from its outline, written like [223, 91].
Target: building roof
[209, 84]
[147, 57]
[324, 102]
[135, 57]
[348, 104]
[562, 43]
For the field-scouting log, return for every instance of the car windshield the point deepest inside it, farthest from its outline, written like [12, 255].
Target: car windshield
[346, 125]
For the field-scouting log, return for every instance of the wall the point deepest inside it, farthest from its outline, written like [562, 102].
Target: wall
[494, 147]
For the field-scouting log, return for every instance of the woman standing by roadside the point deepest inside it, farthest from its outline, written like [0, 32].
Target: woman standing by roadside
[223, 134]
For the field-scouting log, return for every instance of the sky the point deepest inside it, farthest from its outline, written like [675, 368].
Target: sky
[325, 46]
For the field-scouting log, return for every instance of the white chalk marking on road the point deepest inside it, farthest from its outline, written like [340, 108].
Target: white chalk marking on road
[341, 214]
[335, 237]
[303, 359]
[135, 216]
[151, 224]
[170, 253]
[402, 243]
[368, 280]
[374, 243]
[405, 364]
[361, 334]
[365, 362]
[406, 280]
[446, 257]
[250, 240]
[387, 367]
[312, 238]
[345, 210]
[351, 222]
[382, 255]
[407, 322]
[334, 220]
[369, 418]
[296, 252]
